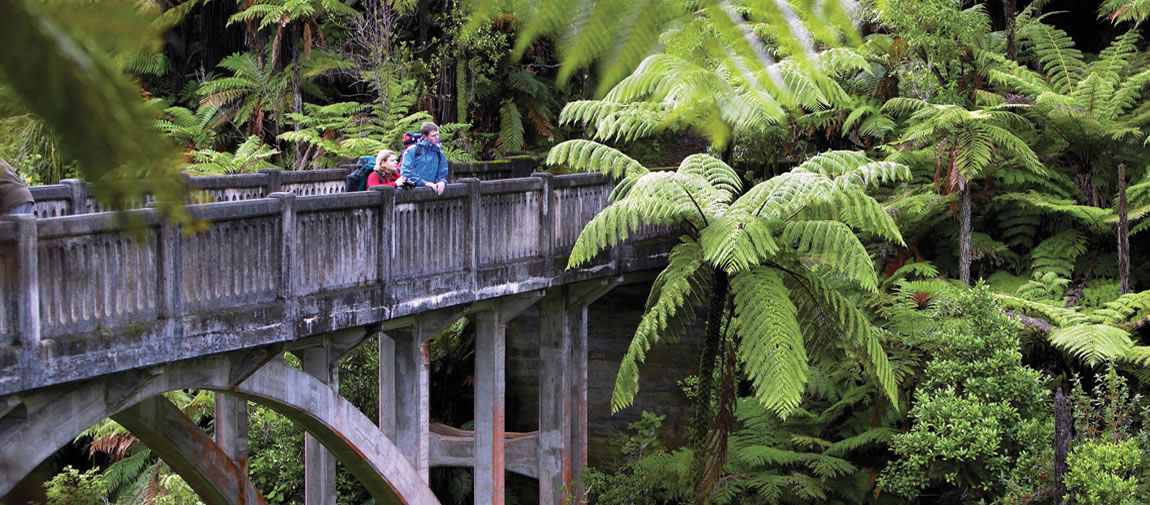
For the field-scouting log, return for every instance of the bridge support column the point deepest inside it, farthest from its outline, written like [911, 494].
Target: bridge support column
[563, 390]
[404, 399]
[491, 320]
[490, 389]
[319, 463]
[231, 427]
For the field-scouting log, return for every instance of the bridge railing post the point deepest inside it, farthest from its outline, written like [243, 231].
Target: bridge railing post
[287, 243]
[78, 203]
[471, 233]
[171, 294]
[272, 176]
[27, 284]
[386, 227]
[546, 224]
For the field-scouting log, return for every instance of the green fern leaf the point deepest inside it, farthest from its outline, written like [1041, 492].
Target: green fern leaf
[1093, 343]
[772, 347]
[668, 312]
[834, 245]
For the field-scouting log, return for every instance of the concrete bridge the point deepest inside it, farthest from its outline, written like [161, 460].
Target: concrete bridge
[98, 321]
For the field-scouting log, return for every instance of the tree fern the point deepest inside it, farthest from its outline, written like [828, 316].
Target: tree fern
[589, 156]
[668, 312]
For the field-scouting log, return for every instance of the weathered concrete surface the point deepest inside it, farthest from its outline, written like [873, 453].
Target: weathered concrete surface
[39, 423]
[277, 269]
[207, 469]
[455, 447]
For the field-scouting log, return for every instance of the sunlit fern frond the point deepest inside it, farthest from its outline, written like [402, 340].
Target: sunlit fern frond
[719, 174]
[1093, 343]
[736, 242]
[785, 195]
[1056, 314]
[590, 156]
[834, 245]
[772, 350]
[668, 313]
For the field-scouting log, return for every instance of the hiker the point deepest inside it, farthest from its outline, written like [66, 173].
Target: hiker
[14, 195]
[424, 163]
[386, 171]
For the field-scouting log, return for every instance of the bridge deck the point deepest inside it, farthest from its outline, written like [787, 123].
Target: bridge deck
[82, 297]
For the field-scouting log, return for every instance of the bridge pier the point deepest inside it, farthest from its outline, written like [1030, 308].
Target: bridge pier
[231, 429]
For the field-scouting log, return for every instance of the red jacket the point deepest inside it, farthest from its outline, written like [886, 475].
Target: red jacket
[388, 179]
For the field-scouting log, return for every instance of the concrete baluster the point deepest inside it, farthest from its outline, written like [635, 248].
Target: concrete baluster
[546, 226]
[471, 233]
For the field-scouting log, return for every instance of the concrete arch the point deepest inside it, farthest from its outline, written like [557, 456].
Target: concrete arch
[50, 418]
[189, 452]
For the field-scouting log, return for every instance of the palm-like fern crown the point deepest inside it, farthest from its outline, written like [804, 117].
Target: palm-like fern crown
[780, 242]
[967, 141]
[1087, 103]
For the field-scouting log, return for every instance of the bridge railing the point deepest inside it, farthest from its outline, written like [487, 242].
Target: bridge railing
[72, 196]
[83, 289]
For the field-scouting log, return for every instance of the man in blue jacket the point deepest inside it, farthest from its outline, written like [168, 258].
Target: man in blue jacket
[424, 163]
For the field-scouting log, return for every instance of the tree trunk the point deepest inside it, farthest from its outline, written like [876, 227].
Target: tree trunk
[1009, 9]
[1062, 423]
[712, 343]
[964, 238]
[1123, 234]
[297, 94]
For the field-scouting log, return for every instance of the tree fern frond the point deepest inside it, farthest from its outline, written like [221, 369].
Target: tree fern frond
[836, 246]
[1092, 217]
[591, 156]
[1060, 316]
[1058, 253]
[783, 196]
[1093, 343]
[772, 347]
[715, 172]
[680, 285]
[1057, 55]
[862, 212]
[736, 242]
[1130, 306]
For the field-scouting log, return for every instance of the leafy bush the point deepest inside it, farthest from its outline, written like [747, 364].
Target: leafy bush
[979, 414]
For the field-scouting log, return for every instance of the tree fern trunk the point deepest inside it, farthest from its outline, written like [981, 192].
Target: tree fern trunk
[297, 95]
[1123, 234]
[713, 341]
[1009, 9]
[1063, 419]
[964, 252]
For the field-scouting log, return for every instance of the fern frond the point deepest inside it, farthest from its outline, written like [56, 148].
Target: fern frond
[1093, 343]
[1058, 253]
[715, 172]
[783, 196]
[772, 347]
[736, 242]
[679, 286]
[1057, 55]
[833, 244]
[590, 156]
[1058, 315]
[1093, 217]
[1128, 307]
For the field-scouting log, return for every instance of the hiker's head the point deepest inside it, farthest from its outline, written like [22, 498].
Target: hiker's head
[385, 161]
[430, 131]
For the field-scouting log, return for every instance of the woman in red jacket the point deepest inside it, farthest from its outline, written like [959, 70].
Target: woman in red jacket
[386, 172]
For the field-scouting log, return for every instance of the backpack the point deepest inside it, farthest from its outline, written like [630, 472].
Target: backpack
[409, 138]
[357, 179]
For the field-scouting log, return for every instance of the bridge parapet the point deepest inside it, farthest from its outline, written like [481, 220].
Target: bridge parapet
[72, 196]
[83, 297]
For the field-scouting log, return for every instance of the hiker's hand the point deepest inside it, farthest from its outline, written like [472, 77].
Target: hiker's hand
[439, 186]
[399, 181]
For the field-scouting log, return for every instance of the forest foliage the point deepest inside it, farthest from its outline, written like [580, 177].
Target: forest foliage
[905, 226]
